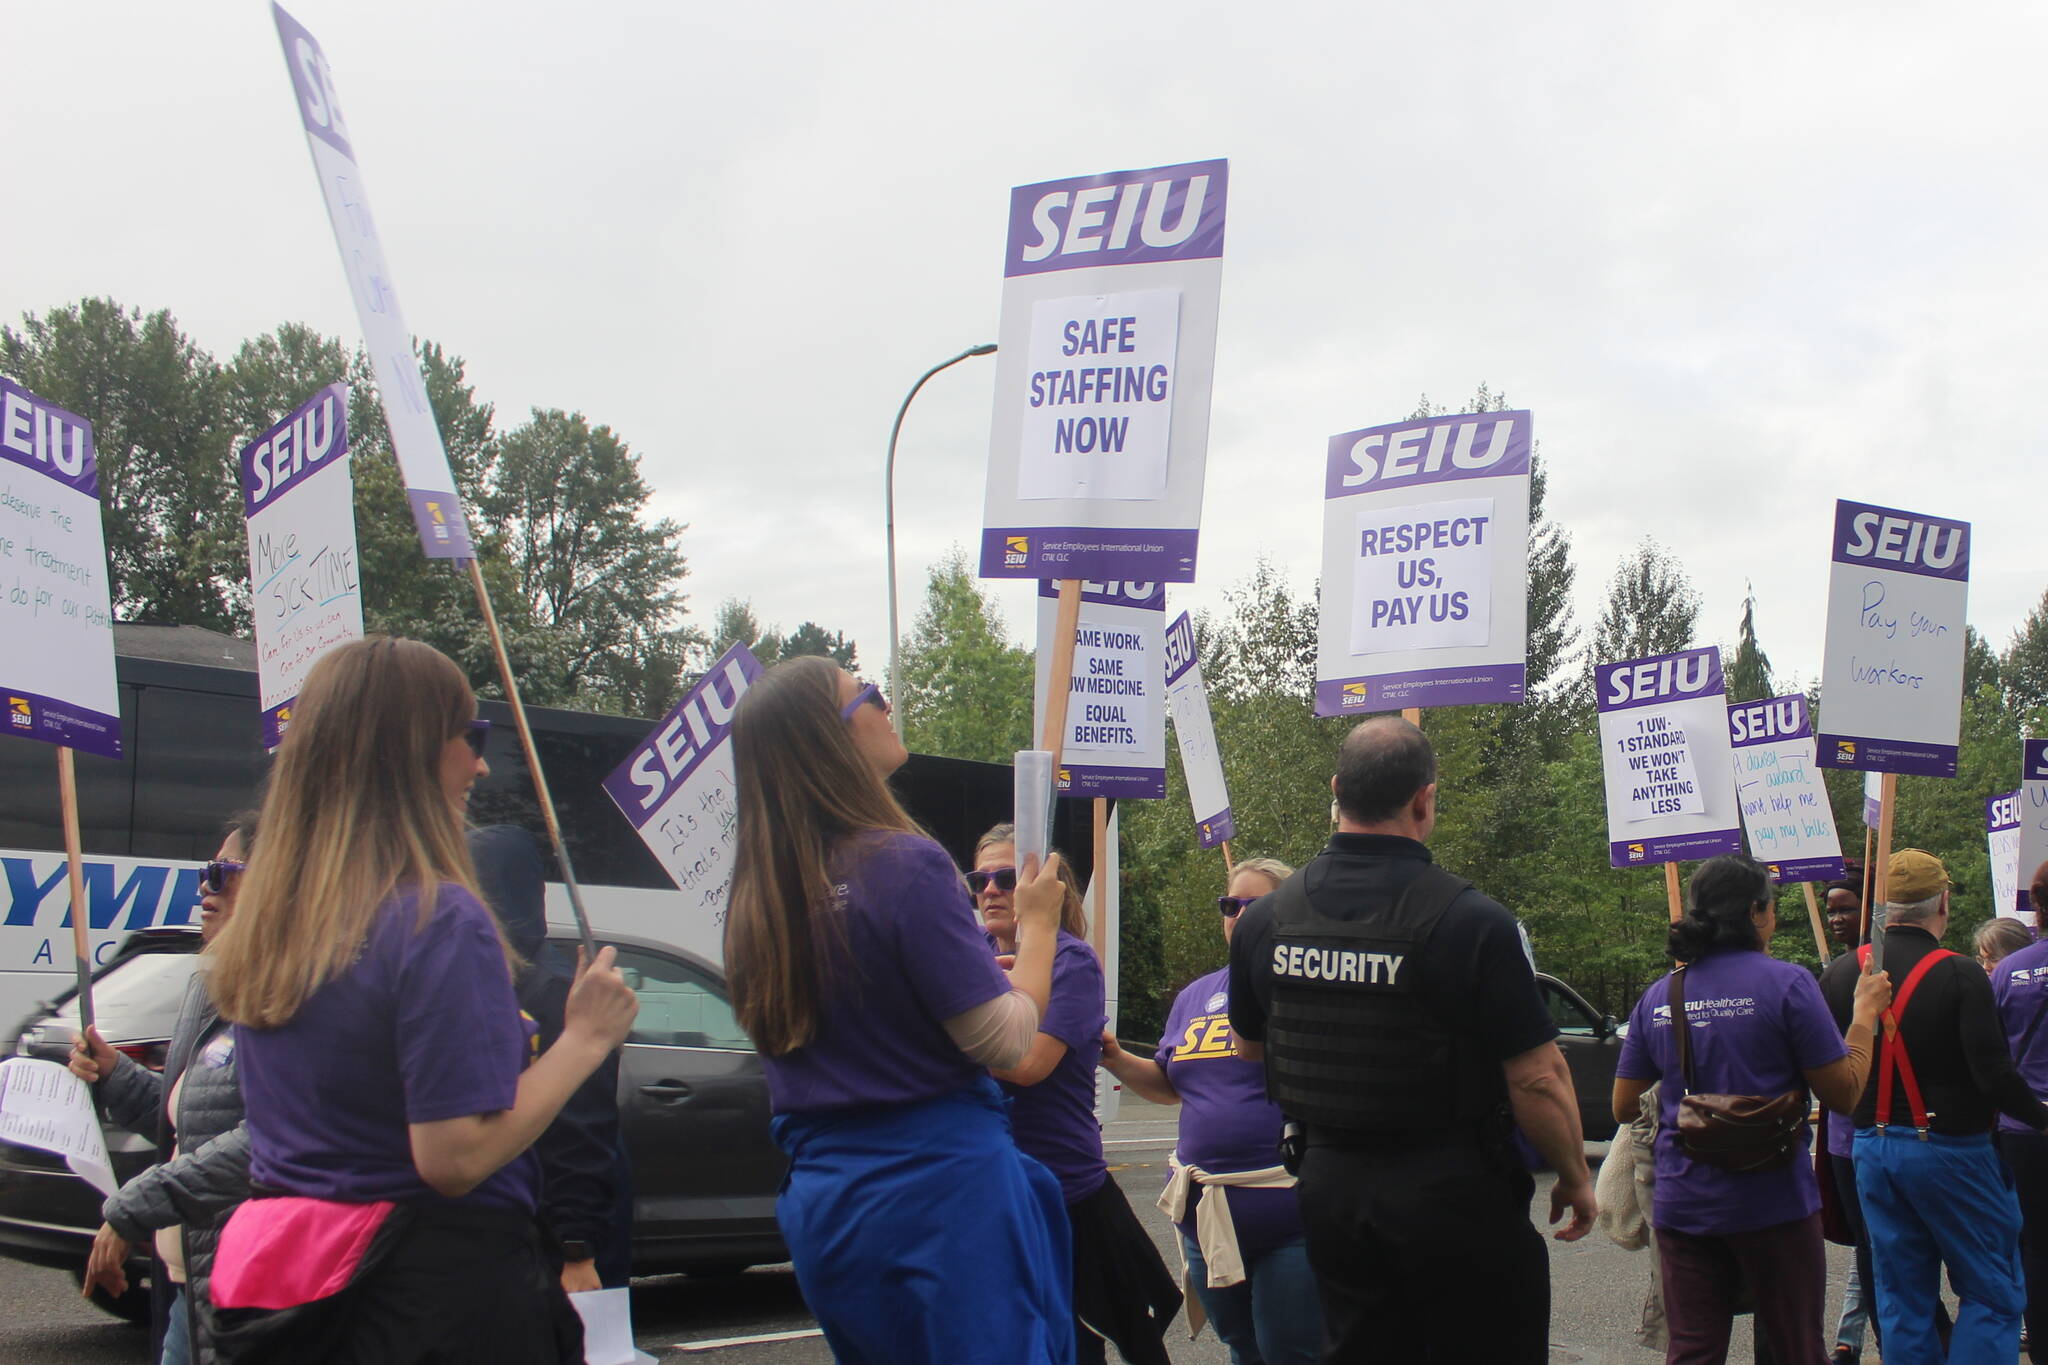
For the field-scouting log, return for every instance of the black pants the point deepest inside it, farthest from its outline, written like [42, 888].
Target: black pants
[1400, 1235]
[2026, 1156]
[1123, 1292]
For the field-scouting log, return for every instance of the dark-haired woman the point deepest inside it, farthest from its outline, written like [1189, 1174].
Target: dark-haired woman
[1123, 1292]
[1756, 1026]
[920, 1234]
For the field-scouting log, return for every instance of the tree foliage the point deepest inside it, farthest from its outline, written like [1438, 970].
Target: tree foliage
[1749, 672]
[966, 690]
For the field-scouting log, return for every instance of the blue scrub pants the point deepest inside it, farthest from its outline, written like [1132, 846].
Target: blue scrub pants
[1946, 1200]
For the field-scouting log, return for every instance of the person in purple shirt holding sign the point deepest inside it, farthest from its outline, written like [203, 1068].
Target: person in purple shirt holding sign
[921, 1236]
[2019, 983]
[1757, 1027]
[387, 1072]
[1244, 1255]
[1122, 1291]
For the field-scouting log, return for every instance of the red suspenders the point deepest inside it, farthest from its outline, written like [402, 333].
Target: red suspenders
[1891, 1049]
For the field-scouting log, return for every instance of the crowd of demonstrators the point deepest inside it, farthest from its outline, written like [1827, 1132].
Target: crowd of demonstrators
[2019, 985]
[1122, 1293]
[1931, 1186]
[389, 1077]
[1731, 1021]
[193, 1111]
[1401, 1025]
[918, 1230]
[1244, 1257]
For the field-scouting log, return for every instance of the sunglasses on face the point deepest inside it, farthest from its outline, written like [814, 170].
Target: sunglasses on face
[870, 693]
[477, 736]
[1233, 906]
[1003, 878]
[214, 880]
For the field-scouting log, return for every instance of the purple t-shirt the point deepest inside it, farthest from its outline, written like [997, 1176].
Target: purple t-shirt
[1054, 1120]
[2020, 986]
[424, 1026]
[914, 958]
[1841, 1129]
[1758, 1025]
[1226, 1121]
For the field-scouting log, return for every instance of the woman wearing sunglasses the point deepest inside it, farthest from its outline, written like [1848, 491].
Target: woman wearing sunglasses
[193, 1112]
[919, 1232]
[1243, 1255]
[1122, 1291]
[389, 1077]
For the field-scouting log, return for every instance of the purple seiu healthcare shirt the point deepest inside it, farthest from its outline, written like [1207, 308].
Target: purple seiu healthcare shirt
[1841, 1129]
[1054, 1120]
[1226, 1121]
[423, 1026]
[1758, 1025]
[2020, 986]
[915, 957]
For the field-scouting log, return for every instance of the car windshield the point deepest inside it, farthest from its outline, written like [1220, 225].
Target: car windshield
[135, 1002]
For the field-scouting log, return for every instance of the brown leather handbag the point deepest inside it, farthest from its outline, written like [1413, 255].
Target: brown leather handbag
[1739, 1133]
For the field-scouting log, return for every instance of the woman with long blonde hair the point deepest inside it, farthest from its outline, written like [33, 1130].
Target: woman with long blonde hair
[383, 1057]
[919, 1232]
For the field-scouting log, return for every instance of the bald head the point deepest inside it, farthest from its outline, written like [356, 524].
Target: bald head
[1384, 764]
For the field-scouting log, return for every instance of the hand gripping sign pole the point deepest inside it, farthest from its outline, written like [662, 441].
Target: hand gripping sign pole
[415, 438]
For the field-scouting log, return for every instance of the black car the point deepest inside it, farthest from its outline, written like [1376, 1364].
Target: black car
[1591, 1043]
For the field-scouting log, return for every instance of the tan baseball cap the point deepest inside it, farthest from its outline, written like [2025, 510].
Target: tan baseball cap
[1914, 874]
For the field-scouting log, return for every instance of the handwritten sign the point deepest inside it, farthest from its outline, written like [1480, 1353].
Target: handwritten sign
[2033, 813]
[1112, 286]
[1666, 759]
[56, 607]
[1187, 698]
[306, 588]
[429, 485]
[1892, 672]
[678, 789]
[1116, 718]
[1425, 564]
[1784, 802]
[42, 1105]
[2002, 841]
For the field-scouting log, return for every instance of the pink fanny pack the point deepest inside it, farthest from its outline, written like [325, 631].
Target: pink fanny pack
[280, 1253]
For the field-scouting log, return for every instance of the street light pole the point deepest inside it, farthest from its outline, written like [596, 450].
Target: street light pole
[889, 516]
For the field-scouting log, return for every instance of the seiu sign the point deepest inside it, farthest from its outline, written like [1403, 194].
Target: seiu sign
[1180, 647]
[1758, 721]
[1468, 446]
[1906, 542]
[685, 737]
[46, 438]
[1668, 677]
[1123, 218]
[2002, 812]
[298, 446]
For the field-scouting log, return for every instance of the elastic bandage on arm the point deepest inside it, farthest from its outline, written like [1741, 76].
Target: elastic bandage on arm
[996, 1034]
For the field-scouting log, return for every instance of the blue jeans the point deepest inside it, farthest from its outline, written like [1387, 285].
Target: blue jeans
[177, 1333]
[1273, 1317]
[1943, 1200]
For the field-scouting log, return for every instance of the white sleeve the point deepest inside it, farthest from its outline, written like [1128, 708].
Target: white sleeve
[996, 1034]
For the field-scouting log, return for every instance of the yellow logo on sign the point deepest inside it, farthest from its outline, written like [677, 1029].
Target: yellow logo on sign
[1018, 544]
[1845, 750]
[1635, 852]
[434, 511]
[18, 713]
[1066, 778]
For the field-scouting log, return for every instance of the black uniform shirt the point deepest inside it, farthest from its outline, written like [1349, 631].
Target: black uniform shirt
[1475, 978]
[1952, 1033]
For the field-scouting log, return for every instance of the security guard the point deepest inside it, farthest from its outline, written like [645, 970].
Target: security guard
[1402, 1028]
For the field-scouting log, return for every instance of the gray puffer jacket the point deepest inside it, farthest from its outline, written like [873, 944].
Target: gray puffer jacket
[198, 1188]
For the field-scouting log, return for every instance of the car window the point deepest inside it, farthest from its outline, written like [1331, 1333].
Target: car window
[1567, 1013]
[137, 1000]
[678, 1007]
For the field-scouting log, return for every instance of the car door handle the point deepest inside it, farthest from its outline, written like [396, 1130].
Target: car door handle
[666, 1090]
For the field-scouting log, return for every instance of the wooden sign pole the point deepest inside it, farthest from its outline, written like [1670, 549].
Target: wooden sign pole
[1820, 938]
[1100, 915]
[81, 940]
[1878, 889]
[1863, 922]
[1229, 863]
[540, 780]
[1671, 892]
[1052, 735]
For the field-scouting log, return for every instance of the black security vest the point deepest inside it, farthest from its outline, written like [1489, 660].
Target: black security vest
[1349, 1039]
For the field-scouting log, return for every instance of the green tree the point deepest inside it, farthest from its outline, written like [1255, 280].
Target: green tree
[736, 624]
[2024, 666]
[812, 638]
[175, 551]
[1749, 674]
[966, 689]
[1652, 608]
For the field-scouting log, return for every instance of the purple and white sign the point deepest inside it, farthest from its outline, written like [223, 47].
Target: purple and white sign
[2033, 814]
[1187, 697]
[56, 603]
[1115, 743]
[1666, 759]
[678, 789]
[1892, 675]
[306, 591]
[2002, 819]
[1425, 565]
[1099, 443]
[1784, 802]
[422, 459]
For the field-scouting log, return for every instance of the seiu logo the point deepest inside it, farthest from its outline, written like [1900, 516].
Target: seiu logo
[1387, 455]
[1767, 719]
[2005, 811]
[1904, 540]
[1180, 644]
[1659, 677]
[19, 715]
[1353, 695]
[1112, 218]
[1066, 778]
[1845, 751]
[1635, 853]
[1016, 551]
[43, 434]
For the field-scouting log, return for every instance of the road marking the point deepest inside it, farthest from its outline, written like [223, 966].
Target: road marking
[765, 1338]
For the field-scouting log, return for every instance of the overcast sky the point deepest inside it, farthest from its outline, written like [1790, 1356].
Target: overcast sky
[1739, 260]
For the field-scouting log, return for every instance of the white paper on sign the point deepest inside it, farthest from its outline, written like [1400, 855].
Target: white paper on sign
[1435, 597]
[1662, 780]
[1100, 411]
[607, 1326]
[42, 1105]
